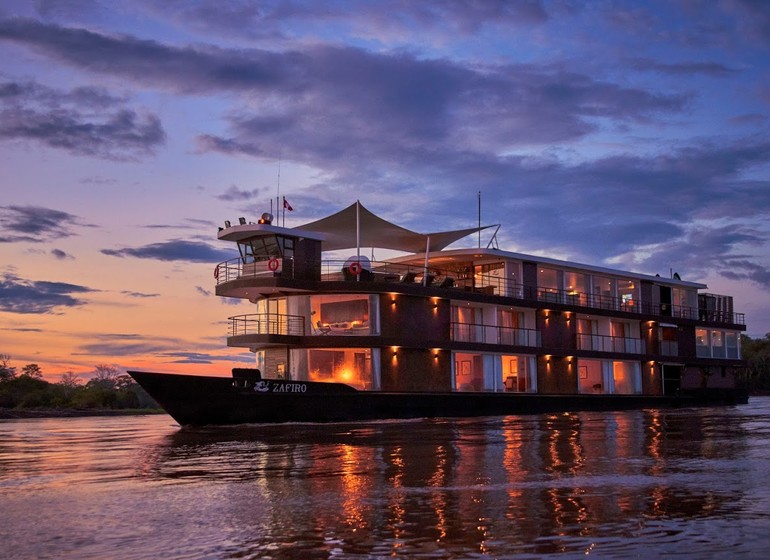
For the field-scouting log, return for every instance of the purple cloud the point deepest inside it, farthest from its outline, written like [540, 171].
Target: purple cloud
[84, 121]
[18, 295]
[177, 250]
[234, 194]
[35, 224]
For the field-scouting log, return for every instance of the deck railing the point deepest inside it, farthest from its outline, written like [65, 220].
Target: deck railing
[616, 344]
[383, 271]
[668, 348]
[267, 323]
[493, 334]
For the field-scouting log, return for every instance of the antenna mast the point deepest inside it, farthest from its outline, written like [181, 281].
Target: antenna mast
[479, 219]
[278, 193]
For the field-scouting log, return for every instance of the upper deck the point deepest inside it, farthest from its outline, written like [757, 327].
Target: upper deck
[276, 260]
[624, 294]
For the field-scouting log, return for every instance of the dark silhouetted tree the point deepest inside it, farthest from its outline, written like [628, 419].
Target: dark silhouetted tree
[32, 370]
[6, 371]
[756, 352]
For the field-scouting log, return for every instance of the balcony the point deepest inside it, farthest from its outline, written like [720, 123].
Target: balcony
[615, 344]
[293, 325]
[267, 323]
[492, 334]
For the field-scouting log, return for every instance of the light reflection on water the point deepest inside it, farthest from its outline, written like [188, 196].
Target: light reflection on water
[610, 485]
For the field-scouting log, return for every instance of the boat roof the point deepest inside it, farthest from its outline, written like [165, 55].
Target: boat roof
[479, 256]
[357, 226]
[243, 232]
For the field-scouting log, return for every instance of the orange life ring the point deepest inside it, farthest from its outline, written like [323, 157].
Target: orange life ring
[272, 264]
[216, 272]
[355, 268]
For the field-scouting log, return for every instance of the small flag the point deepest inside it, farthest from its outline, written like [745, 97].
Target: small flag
[287, 205]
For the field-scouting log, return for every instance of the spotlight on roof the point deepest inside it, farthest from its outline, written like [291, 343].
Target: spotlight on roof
[267, 218]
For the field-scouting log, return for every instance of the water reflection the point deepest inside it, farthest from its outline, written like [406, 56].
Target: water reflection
[531, 484]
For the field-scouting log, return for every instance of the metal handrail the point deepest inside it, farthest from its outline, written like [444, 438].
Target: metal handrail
[668, 348]
[612, 303]
[267, 323]
[337, 270]
[605, 343]
[494, 334]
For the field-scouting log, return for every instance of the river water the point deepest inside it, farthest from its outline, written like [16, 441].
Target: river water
[692, 483]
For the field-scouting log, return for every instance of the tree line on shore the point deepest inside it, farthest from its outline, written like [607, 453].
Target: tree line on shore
[756, 352]
[108, 389]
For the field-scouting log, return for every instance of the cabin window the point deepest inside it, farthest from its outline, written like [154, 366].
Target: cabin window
[494, 372]
[669, 341]
[351, 366]
[576, 285]
[625, 338]
[489, 278]
[265, 248]
[548, 286]
[702, 349]
[684, 303]
[517, 374]
[288, 246]
[603, 292]
[628, 294]
[626, 378]
[467, 324]
[618, 329]
[511, 329]
[515, 282]
[345, 314]
[717, 344]
[247, 253]
[588, 334]
[469, 372]
[590, 379]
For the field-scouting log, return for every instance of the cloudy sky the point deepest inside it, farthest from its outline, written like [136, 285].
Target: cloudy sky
[627, 134]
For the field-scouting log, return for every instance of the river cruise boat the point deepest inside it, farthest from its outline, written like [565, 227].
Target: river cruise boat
[438, 332]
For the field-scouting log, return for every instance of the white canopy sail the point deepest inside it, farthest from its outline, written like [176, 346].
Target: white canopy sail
[340, 232]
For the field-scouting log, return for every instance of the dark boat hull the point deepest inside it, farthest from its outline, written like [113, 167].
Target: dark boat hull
[198, 400]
